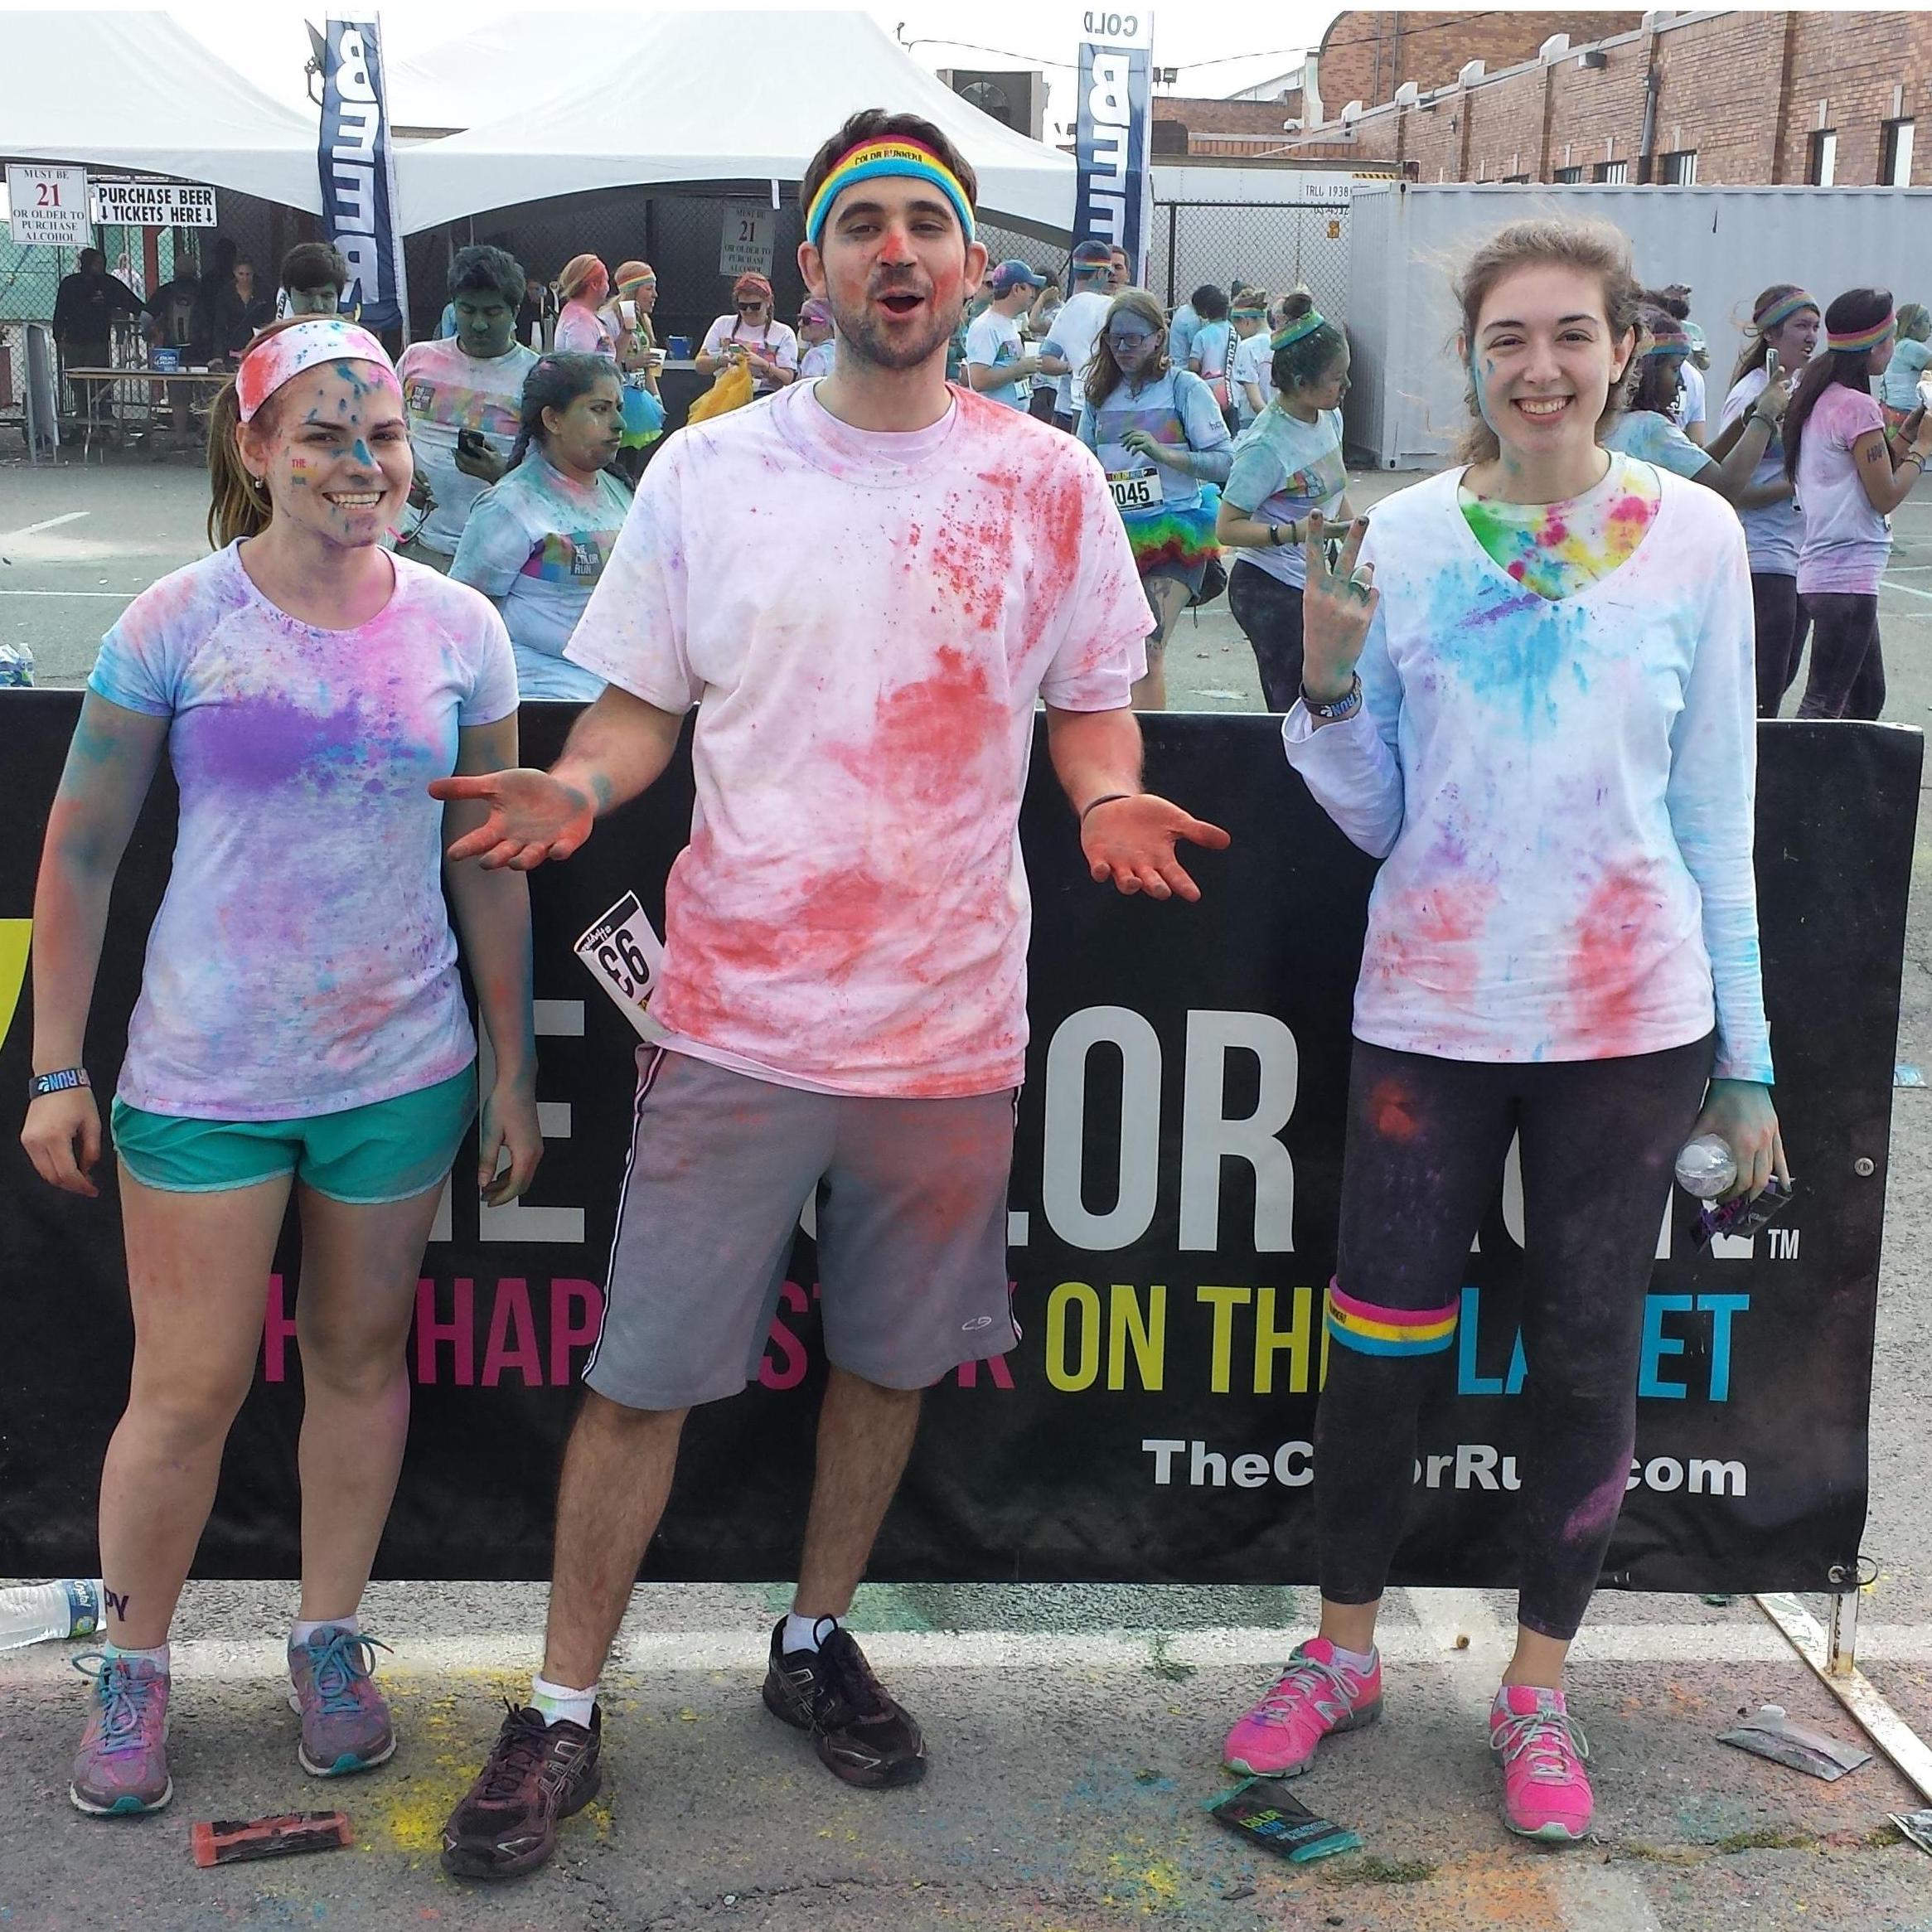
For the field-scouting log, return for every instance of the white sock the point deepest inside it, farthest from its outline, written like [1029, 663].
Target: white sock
[1361, 1662]
[157, 1656]
[556, 1702]
[803, 1633]
[300, 1633]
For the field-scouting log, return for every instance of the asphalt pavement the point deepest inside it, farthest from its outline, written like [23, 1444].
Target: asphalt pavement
[1074, 1731]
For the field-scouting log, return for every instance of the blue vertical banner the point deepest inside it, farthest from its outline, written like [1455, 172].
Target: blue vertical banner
[358, 173]
[1113, 133]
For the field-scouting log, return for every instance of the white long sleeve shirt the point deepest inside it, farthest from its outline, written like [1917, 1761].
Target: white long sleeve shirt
[1561, 790]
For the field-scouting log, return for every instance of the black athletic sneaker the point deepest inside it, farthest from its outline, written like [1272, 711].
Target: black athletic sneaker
[536, 1774]
[861, 1734]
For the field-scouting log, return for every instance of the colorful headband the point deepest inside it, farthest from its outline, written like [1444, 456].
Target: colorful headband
[277, 358]
[1302, 326]
[1248, 314]
[1783, 309]
[1850, 343]
[896, 156]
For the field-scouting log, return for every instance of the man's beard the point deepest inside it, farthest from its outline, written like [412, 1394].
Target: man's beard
[862, 336]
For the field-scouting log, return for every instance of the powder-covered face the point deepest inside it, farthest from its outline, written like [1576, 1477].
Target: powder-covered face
[332, 445]
[1135, 347]
[485, 323]
[1326, 393]
[1795, 337]
[1543, 358]
[896, 268]
[586, 436]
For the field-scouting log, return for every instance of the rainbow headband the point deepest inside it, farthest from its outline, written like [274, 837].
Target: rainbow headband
[1850, 345]
[1783, 309]
[279, 358]
[870, 160]
[1302, 326]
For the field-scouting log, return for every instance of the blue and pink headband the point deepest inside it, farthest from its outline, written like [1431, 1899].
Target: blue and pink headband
[892, 155]
[283, 353]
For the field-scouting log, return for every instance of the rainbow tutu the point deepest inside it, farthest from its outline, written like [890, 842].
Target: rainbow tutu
[1180, 537]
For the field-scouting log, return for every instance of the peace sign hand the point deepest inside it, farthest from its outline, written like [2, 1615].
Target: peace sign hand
[1337, 606]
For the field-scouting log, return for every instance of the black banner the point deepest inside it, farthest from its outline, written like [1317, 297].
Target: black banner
[1173, 1217]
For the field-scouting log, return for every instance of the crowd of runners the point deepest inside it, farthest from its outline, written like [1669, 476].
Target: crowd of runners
[1528, 685]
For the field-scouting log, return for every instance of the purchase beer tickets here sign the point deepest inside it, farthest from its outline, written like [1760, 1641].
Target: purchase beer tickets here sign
[1172, 1223]
[134, 204]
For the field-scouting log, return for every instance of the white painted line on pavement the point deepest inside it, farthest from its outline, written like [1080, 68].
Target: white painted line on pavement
[45, 523]
[1442, 1615]
[1888, 584]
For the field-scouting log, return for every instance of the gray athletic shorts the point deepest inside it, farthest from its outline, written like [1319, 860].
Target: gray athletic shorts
[912, 1232]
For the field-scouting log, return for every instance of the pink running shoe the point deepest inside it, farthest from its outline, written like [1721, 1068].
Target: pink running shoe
[122, 1766]
[1541, 1749]
[1315, 1698]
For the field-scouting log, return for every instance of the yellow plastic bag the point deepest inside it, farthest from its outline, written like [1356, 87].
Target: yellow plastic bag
[732, 390]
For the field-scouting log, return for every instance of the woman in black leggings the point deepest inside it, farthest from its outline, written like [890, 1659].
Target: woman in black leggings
[1850, 476]
[1526, 689]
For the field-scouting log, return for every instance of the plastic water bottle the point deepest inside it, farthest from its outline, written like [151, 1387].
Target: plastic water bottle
[1706, 1167]
[33, 1613]
[16, 667]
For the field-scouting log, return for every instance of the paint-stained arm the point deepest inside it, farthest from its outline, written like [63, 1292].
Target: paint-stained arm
[1128, 836]
[110, 765]
[492, 913]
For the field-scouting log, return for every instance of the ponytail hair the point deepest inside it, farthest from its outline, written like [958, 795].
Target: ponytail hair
[555, 382]
[1850, 314]
[238, 504]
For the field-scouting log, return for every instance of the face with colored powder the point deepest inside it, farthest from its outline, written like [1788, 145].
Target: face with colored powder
[485, 323]
[1327, 390]
[1135, 347]
[583, 437]
[332, 445]
[895, 268]
[1795, 337]
[1543, 358]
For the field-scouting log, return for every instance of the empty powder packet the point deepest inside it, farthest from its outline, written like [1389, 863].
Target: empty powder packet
[1267, 1811]
[1768, 1733]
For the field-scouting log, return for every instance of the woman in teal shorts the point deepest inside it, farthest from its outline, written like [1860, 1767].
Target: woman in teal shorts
[301, 1028]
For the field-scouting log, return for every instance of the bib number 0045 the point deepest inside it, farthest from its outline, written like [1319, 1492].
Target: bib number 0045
[625, 955]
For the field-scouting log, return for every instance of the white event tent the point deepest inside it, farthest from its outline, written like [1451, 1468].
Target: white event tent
[137, 91]
[715, 97]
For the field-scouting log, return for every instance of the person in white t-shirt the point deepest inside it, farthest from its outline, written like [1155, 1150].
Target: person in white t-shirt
[1070, 344]
[844, 981]
[818, 345]
[750, 334]
[997, 364]
[1251, 374]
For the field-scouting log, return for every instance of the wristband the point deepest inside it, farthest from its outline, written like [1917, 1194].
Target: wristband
[63, 1082]
[1912, 456]
[1106, 798]
[1345, 706]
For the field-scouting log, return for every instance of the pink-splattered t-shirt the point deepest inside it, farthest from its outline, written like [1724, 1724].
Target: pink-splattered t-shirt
[864, 621]
[1561, 789]
[301, 963]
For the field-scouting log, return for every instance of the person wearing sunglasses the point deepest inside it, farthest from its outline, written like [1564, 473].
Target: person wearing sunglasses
[750, 332]
[1159, 436]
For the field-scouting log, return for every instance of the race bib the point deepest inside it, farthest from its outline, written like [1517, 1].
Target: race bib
[624, 955]
[1134, 489]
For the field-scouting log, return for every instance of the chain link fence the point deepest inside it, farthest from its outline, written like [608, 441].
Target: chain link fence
[1278, 246]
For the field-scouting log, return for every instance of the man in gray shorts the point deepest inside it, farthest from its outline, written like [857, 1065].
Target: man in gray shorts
[863, 584]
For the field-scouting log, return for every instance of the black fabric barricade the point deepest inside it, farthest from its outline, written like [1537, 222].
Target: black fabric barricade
[1173, 1198]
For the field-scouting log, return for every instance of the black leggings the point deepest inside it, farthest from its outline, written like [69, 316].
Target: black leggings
[1848, 666]
[1269, 612]
[1781, 624]
[1425, 1146]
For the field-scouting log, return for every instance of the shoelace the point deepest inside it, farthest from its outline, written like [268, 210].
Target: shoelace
[1303, 1675]
[843, 1668]
[1552, 1740]
[343, 1663]
[519, 1751]
[124, 1699]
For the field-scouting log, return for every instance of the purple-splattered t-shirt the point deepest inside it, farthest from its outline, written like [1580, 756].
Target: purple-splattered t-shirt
[301, 963]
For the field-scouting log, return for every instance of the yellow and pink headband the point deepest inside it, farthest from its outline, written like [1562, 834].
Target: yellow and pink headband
[1849, 342]
[893, 155]
[283, 355]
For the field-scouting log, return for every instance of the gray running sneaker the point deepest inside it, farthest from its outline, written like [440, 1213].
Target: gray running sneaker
[122, 1764]
[344, 1720]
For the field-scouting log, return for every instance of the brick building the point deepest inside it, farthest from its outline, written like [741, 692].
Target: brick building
[1716, 98]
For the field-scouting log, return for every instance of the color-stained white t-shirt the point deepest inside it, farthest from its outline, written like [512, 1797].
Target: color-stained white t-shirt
[1773, 531]
[775, 340]
[993, 339]
[536, 545]
[1076, 328]
[301, 963]
[1254, 361]
[819, 359]
[1847, 542]
[864, 621]
[1651, 437]
[1560, 791]
[446, 389]
[1283, 468]
[584, 331]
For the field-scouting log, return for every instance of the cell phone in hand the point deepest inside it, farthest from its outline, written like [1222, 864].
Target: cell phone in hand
[470, 442]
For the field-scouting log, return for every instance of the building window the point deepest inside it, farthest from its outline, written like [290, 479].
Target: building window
[1897, 170]
[1679, 169]
[1511, 181]
[1565, 175]
[1618, 171]
[1824, 158]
